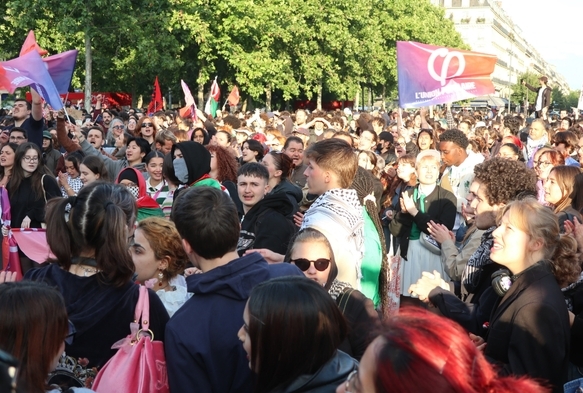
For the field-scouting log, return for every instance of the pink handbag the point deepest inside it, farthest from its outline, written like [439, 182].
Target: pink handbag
[139, 366]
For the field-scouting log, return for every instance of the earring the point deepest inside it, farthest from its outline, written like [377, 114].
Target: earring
[160, 277]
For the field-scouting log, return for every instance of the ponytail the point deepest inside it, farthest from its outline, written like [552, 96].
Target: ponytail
[99, 220]
[112, 255]
[59, 236]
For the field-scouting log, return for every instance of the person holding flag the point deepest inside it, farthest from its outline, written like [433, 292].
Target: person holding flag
[213, 101]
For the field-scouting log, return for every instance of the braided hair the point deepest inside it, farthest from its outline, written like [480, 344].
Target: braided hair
[363, 184]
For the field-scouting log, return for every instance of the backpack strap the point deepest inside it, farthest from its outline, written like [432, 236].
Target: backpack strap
[343, 301]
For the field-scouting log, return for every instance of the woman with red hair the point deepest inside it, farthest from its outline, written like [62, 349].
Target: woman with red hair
[422, 352]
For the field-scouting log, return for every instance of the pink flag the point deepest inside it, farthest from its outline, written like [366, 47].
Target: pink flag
[33, 243]
[430, 75]
[190, 107]
[30, 44]
[29, 70]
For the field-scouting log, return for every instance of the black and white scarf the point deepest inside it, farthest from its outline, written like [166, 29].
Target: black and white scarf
[480, 258]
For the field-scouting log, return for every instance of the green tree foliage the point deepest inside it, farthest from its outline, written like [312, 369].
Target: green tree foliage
[565, 101]
[295, 47]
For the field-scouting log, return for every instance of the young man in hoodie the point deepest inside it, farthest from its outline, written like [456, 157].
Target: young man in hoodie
[337, 212]
[203, 352]
[264, 223]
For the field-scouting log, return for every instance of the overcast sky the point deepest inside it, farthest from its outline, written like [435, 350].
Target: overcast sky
[554, 29]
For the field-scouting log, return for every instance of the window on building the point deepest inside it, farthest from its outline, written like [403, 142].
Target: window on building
[476, 3]
[456, 3]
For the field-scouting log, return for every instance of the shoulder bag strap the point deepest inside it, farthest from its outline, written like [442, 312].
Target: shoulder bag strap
[344, 300]
[143, 309]
[42, 184]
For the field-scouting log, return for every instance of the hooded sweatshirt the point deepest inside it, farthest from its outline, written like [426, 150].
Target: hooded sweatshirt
[338, 215]
[203, 352]
[147, 206]
[266, 225]
[198, 164]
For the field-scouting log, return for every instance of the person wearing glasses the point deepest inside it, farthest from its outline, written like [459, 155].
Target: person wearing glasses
[116, 128]
[29, 188]
[545, 159]
[312, 254]
[291, 333]
[36, 346]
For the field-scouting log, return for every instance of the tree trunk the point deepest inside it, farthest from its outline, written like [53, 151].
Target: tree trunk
[268, 99]
[356, 100]
[383, 105]
[245, 105]
[88, 70]
[200, 94]
[319, 97]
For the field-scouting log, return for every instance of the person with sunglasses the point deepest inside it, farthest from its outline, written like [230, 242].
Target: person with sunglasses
[147, 129]
[312, 254]
[37, 346]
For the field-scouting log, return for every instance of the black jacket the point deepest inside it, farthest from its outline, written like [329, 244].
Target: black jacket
[362, 319]
[326, 379]
[266, 225]
[529, 331]
[293, 192]
[546, 101]
[440, 206]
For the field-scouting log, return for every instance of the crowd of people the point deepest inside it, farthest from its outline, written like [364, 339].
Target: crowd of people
[297, 252]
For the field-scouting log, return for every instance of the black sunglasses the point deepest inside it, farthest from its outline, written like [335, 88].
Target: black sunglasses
[147, 124]
[71, 334]
[303, 264]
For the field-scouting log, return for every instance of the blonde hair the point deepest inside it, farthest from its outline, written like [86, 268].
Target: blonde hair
[538, 221]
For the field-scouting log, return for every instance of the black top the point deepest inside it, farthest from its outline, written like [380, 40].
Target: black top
[23, 201]
[100, 313]
[529, 331]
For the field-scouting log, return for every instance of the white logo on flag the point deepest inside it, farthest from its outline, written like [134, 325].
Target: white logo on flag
[444, 52]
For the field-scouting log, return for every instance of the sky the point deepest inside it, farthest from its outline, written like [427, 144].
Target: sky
[553, 28]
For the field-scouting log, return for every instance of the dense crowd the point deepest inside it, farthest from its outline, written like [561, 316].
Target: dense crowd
[294, 251]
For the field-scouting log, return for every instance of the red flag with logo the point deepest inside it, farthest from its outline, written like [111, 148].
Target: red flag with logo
[156, 104]
[234, 96]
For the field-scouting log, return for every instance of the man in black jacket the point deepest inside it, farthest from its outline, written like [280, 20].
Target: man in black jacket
[543, 98]
[264, 223]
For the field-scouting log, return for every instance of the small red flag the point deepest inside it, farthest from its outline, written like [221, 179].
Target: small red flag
[234, 96]
[156, 104]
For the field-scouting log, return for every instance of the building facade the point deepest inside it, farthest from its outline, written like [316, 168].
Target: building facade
[486, 28]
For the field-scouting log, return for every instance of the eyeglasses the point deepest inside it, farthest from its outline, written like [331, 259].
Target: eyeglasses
[30, 159]
[70, 334]
[350, 384]
[401, 144]
[321, 264]
[147, 124]
[543, 163]
[18, 138]
[118, 127]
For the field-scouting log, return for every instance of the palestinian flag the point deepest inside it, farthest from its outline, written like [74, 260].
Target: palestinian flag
[213, 102]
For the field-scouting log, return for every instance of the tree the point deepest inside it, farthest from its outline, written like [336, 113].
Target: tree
[521, 93]
[123, 42]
